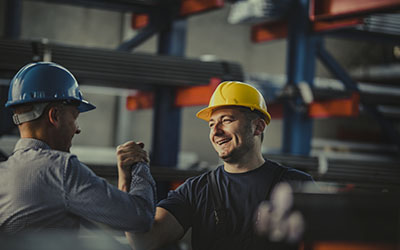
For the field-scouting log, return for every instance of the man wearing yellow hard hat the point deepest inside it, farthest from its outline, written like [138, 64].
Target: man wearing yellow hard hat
[219, 206]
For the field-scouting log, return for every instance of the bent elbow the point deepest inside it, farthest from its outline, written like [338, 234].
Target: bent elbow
[142, 223]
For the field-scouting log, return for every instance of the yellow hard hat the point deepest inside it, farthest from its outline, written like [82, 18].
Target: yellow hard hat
[233, 93]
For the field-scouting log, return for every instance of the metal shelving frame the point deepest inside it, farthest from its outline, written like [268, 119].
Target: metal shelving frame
[304, 46]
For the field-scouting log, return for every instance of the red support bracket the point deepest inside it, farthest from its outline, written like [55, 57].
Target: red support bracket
[140, 100]
[185, 96]
[269, 31]
[196, 96]
[326, 15]
[348, 107]
[188, 7]
[336, 9]
[325, 25]
[278, 29]
[139, 21]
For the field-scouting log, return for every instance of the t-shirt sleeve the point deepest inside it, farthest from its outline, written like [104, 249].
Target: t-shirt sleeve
[298, 180]
[178, 203]
[297, 175]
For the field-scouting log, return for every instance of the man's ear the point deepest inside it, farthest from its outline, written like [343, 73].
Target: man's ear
[54, 115]
[260, 126]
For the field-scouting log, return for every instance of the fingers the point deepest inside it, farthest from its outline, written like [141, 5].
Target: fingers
[130, 158]
[130, 153]
[129, 147]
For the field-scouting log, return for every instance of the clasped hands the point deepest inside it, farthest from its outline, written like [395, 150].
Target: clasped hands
[128, 154]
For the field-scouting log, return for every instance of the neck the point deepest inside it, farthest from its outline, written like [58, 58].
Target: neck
[245, 164]
[26, 130]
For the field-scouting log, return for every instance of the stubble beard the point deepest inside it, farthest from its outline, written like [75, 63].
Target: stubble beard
[237, 154]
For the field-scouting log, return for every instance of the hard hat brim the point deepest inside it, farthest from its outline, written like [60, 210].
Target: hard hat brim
[205, 113]
[85, 106]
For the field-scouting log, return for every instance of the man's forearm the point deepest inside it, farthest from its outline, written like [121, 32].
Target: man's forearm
[165, 230]
[124, 180]
[142, 189]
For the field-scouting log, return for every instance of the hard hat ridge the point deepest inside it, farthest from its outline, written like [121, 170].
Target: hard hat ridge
[235, 93]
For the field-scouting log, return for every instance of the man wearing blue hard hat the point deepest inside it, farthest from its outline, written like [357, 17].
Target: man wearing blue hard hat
[42, 185]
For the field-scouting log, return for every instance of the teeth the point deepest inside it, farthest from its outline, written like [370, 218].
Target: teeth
[223, 141]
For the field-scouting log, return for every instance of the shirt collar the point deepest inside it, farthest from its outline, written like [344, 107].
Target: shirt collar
[30, 143]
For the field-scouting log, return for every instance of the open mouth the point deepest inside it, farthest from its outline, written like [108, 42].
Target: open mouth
[222, 141]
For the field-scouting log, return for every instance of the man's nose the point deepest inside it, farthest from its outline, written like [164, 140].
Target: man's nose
[78, 130]
[216, 129]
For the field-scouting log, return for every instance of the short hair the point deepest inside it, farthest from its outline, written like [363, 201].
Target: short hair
[253, 115]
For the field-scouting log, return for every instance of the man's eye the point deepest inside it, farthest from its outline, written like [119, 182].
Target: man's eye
[211, 125]
[227, 120]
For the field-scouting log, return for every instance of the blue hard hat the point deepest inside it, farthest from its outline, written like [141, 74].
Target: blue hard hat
[45, 82]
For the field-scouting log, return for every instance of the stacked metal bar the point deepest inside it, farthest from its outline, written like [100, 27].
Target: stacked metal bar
[382, 23]
[256, 11]
[124, 5]
[376, 176]
[102, 67]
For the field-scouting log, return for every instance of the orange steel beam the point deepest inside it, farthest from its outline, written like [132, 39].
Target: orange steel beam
[325, 25]
[185, 96]
[200, 95]
[352, 246]
[268, 31]
[348, 107]
[326, 15]
[189, 7]
[196, 96]
[140, 100]
[337, 107]
[278, 29]
[336, 9]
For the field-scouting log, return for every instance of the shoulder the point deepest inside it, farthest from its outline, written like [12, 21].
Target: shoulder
[43, 158]
[73, 168]
[197, 182]
[193, 187]
[289, 173]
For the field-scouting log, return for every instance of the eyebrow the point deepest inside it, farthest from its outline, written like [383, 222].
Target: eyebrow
[222, 117]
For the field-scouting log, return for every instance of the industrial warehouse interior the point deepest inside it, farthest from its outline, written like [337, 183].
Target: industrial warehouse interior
[328, 69]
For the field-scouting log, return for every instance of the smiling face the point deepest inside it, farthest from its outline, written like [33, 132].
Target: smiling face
[231, 134]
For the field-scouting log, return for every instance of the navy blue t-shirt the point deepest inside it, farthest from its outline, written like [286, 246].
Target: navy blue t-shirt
[192, 205]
